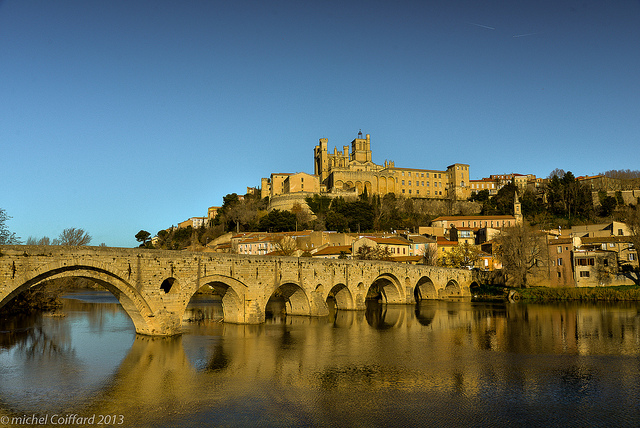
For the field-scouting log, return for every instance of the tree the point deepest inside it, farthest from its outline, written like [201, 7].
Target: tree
[567, 197]
[6, 237]
[559, 173]
[143, 236]
[318, 204]
[286, 246]
[278, 221]
[520, 249]
[378, 252]
[35, 241]
[607, 204]
[73, 237]
[462, 256]
[429, 255]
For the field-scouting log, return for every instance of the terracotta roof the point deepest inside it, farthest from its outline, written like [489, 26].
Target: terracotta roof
[444, 241]
[333, 250]
[389, 241]
[621, 239]
[474, 217]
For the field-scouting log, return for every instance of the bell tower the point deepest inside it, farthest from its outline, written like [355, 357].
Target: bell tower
[517, 209]
[361, 149]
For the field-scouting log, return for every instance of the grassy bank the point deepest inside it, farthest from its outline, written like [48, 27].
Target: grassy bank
[607, 294]
[486, 293]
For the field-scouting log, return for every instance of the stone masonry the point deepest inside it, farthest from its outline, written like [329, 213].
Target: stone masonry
[155, 286]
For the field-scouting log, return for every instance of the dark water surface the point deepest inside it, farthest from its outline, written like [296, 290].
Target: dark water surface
[436, 364]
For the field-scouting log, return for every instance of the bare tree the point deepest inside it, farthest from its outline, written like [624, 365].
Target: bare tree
[558, 172]
[35, 241]
[521, 250]
[73, 237]
[6, 237]
[286, 246]
[429, 255]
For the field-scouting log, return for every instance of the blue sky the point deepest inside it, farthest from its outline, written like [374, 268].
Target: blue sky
[117, 116]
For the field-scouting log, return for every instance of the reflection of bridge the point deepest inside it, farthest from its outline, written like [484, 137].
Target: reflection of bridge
[154, 286]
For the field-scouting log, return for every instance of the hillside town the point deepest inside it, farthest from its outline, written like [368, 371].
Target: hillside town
[453, 220]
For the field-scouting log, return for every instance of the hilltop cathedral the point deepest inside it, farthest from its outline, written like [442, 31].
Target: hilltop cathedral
[351, 173]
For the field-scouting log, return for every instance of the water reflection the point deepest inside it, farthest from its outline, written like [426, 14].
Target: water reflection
[444, 363]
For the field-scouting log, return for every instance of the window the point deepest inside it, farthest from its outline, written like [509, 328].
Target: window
[584, 274]
[409, 182]
[423, 183]
[418, 192]
[620, 232]
[632, 257]
[403, 182]
[585, 262]
[409, 176]
[559, 274]
[559, 262]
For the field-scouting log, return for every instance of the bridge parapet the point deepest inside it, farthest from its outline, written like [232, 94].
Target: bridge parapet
[155, 286]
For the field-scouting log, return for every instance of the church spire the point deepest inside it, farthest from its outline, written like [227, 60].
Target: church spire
[517, 208]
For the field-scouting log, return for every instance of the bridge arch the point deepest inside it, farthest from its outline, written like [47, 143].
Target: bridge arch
[342, 295]
[167, 285]
[386, 288]
[452, 289]
[230, 289]
[425, 289]
[296, 301]
[132, 302]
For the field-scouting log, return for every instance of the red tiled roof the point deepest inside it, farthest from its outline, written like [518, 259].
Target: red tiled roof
[333, 250]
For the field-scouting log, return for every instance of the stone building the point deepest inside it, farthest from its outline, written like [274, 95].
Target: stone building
[351, 172]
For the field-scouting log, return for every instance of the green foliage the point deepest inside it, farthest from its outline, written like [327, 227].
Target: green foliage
[607, 205]
[278, 221]
[462, 256]
[377, 252]
[502, 202]
[567, 198]
[318, 204]
[481, 196]
[240, 214]
[143, 236]
[610, 294]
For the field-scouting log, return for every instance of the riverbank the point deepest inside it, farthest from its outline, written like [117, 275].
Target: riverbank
[549, 294]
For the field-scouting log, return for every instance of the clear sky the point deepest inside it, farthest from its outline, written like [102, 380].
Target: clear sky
[123, 115]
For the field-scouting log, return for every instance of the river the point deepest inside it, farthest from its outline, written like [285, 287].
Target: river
[444, 364]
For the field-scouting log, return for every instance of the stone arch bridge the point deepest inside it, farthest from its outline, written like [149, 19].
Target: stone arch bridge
[155, 286]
